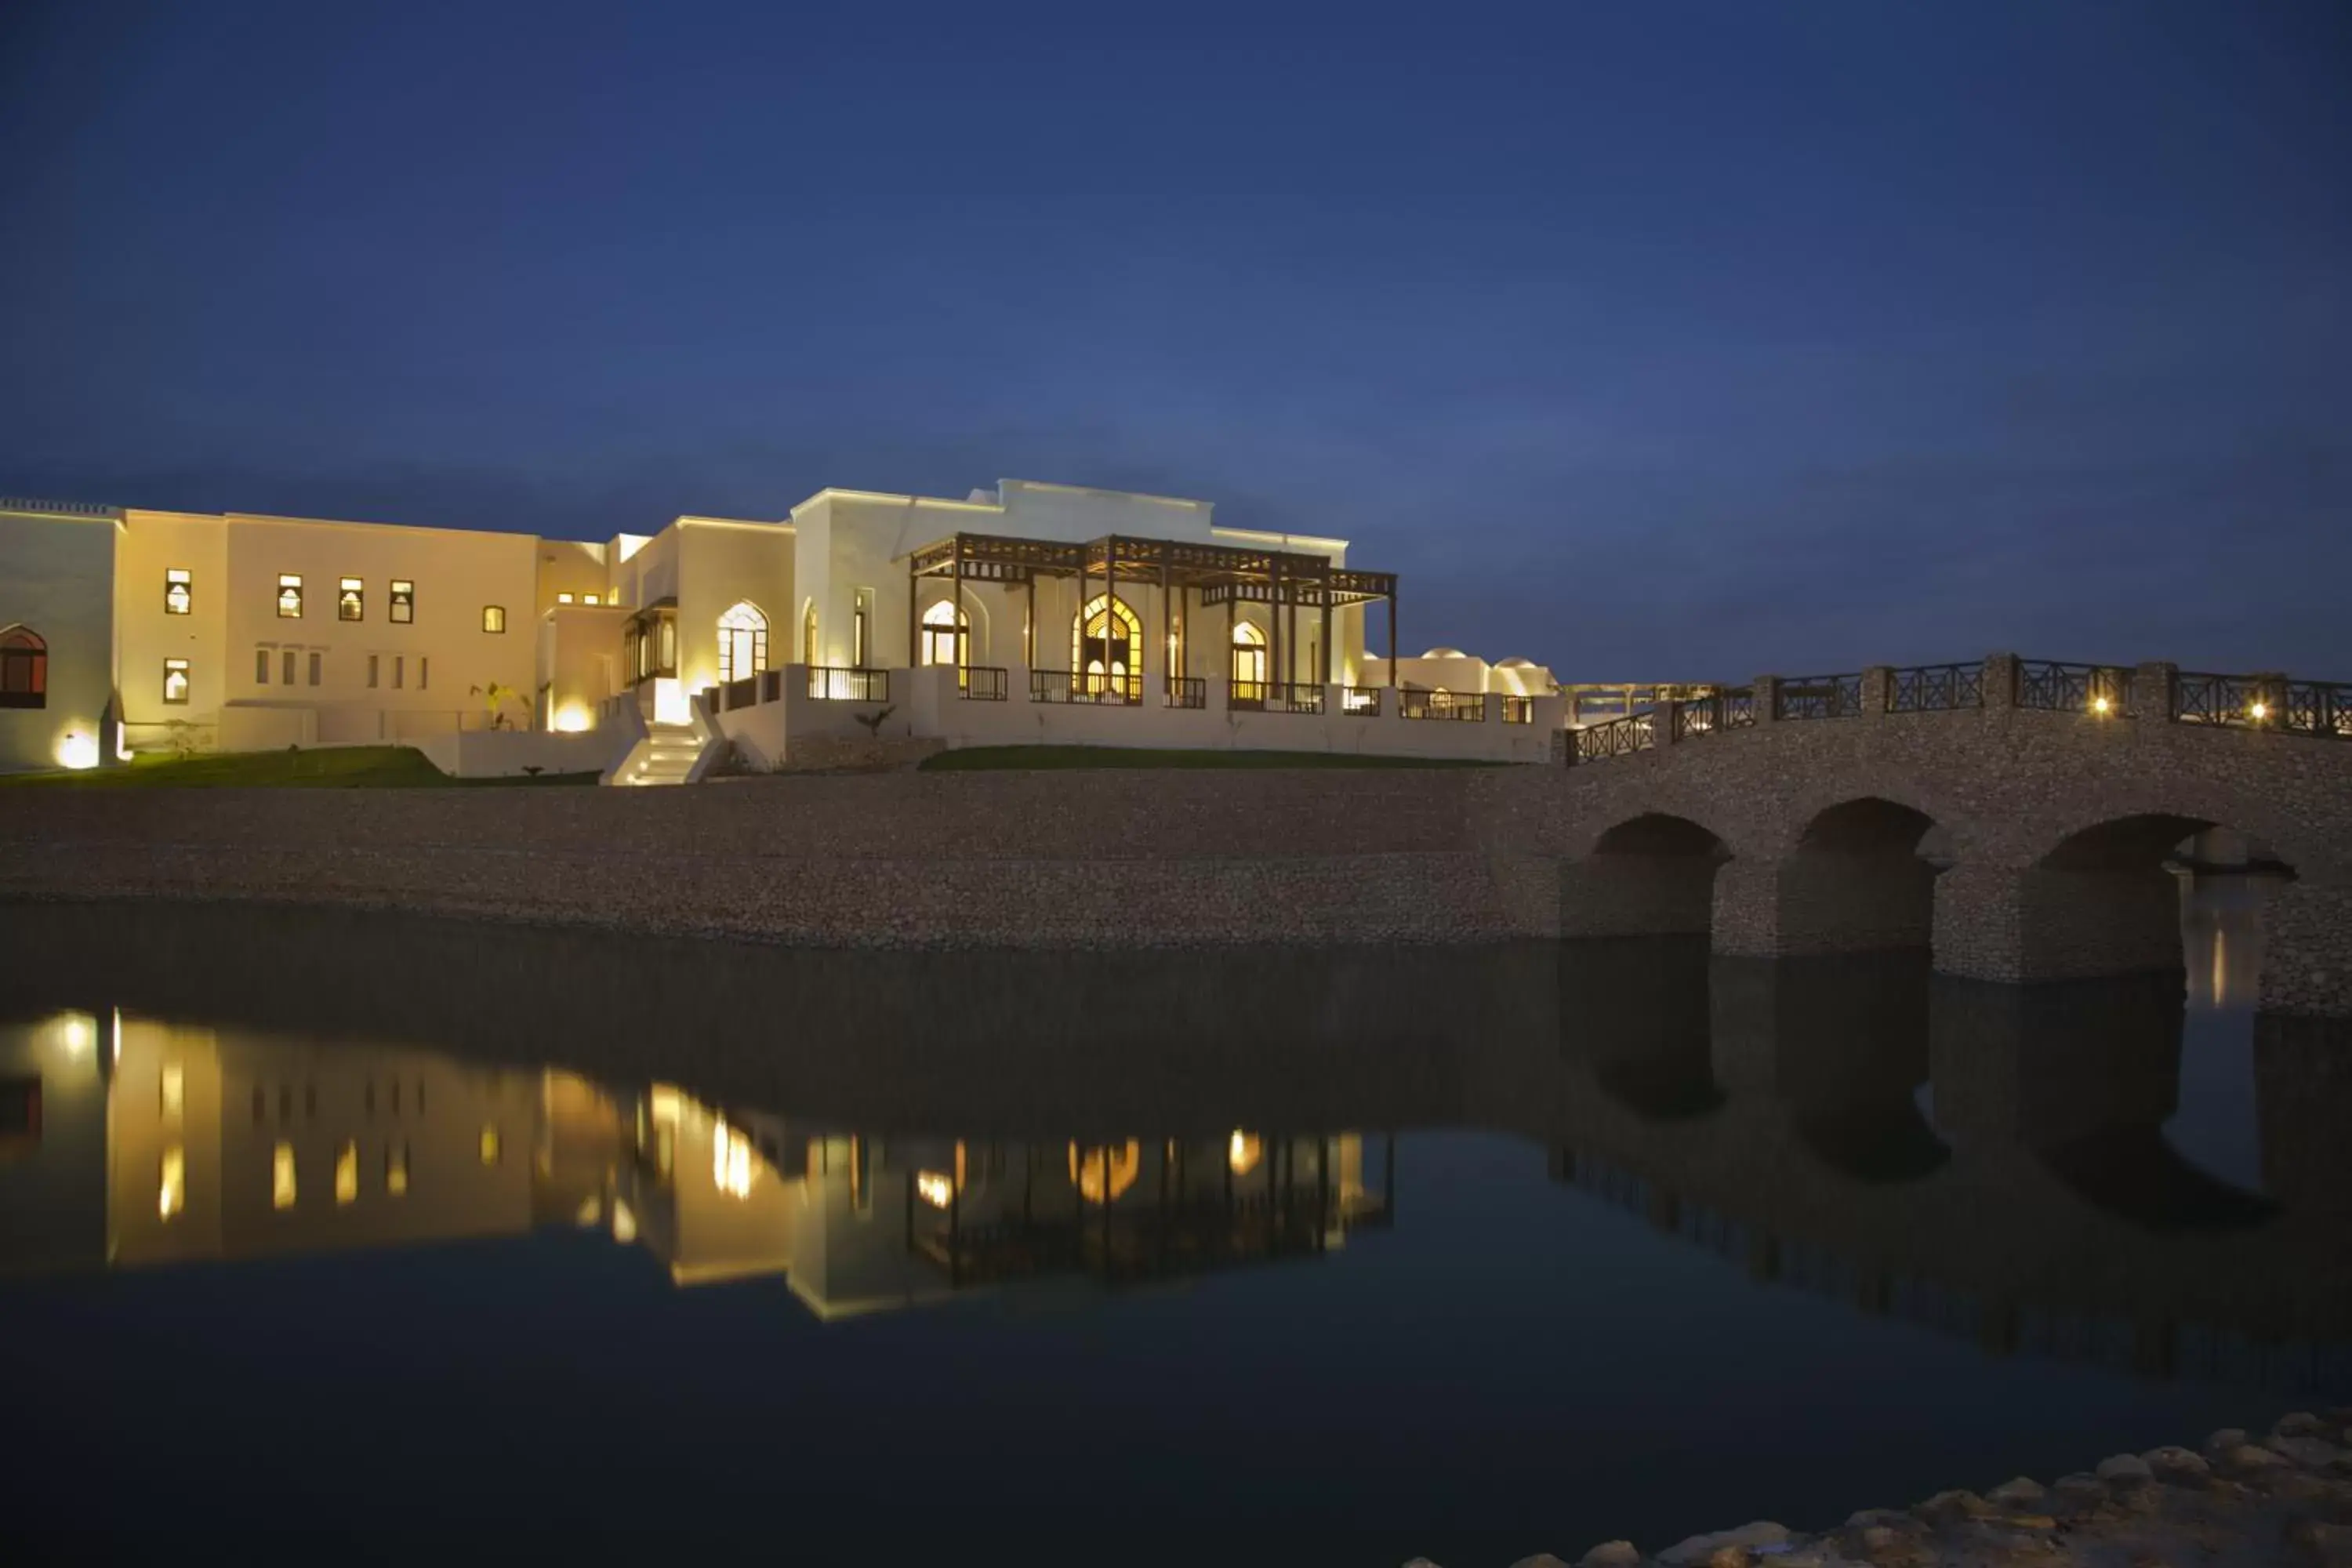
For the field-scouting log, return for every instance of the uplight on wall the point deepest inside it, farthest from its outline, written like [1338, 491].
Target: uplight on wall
[77, 749]
[670, 700]
[572, 718]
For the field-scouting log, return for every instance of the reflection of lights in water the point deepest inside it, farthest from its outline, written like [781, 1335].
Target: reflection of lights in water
[172, 1196]
[1243, 1151]
[590, 1215]
[76, 1032]
[281, 1176]
[625, 1224]
[347, 1173]
[934, 1187]
[1088, 1168]
[730, 1160]
[2220, 966]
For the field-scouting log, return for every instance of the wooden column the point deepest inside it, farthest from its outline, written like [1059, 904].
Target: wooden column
[955, 620]
[1029, 623]
[910, 611]
[1393, 643]
[1166, 665]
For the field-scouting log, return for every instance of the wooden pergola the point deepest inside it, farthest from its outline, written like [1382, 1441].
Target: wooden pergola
[1187, 575]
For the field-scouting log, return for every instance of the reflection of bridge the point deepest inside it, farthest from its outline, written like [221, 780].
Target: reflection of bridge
[1787, 818]
[2006, 1146]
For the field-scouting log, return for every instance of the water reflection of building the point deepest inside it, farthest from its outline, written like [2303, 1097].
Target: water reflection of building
[133, 1142]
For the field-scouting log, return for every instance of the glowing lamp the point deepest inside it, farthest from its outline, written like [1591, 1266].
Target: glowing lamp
[77, 749]
[2100, 704]
[2258, 711]
[670, 702]
[572, 718]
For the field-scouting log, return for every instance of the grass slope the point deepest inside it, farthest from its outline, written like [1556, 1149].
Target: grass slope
[990, 759]
[336, 767]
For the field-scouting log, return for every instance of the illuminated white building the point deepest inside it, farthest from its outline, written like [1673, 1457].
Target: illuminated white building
[1025, 613]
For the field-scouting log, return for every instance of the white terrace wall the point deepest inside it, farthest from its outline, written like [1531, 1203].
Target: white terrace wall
[56, 579]
[926, 704]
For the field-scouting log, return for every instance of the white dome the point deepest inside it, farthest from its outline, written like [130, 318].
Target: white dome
[1445, 653]
[1516, 663]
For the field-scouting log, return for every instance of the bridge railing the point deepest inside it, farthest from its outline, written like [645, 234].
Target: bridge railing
[2059, 686]
[2152, 693]
[1818, 697]
[1934, 687]
[1617, 738]
[2317, 708]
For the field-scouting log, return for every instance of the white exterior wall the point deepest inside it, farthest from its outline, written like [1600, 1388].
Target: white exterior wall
[56, 579]
[721, 563]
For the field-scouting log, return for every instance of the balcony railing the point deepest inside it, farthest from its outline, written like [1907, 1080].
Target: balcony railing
[1935, 689]
[1109, 691]
[1248, 696]
[1821, 697]
[982, 683]
[1361, 701]
[829, 683]
[2319, 708]
[1292, 697]
[743, 693]
[771, 686]
[1519, 710]
[1617, 738]
[1470, 708]
[2058, 687]
[1185, 692]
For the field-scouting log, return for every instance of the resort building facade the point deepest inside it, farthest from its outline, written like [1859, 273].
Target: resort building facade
[1023, 613]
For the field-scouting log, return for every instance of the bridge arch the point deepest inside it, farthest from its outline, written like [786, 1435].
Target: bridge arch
[1650, 873]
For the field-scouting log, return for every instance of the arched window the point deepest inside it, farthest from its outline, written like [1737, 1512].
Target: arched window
[1109, 658]
[808, 634]
[742, 642]
[23, 668]
[946, 629]
[1249, 662]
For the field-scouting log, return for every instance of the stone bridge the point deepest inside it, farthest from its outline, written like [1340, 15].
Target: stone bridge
[2016, 817]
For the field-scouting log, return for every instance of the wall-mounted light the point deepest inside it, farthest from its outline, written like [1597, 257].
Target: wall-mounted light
[2258, 711]
[2101, 704]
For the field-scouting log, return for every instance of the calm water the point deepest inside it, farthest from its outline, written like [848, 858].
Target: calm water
[367, 1236]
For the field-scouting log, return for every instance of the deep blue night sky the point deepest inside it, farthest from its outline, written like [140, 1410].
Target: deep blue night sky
[1655, 339]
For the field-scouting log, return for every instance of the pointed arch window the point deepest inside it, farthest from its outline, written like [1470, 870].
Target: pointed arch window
[946, 630]
[1249, 662]
[742, 642]
[23, 668]
[1107, 647]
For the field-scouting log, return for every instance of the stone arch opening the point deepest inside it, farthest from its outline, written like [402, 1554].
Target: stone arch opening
[1857, 881]
[2123, 897]
[1649, 875]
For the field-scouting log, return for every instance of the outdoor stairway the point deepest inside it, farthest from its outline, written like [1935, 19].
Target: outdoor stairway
[666, 756]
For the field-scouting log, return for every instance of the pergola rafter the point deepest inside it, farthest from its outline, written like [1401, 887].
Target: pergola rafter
[1212, 574]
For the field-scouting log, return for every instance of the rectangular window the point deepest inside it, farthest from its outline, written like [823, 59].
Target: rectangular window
[351, 600]
[175, 681]
[178, 591]
[281, 1176]
[588, 598]
[290, 596]
[370, 672]
[494, 617]
[399, 670]
[396, 1170]
[403, 602]
[861, 617]
[563, 598]
[347, 1173]
[314, 669]
[424, 671]
[171, 1190]
[261, 666]
[289, 667]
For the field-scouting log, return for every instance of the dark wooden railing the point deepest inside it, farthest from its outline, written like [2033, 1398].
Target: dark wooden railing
[1617, 738]
[1186, 691]
[1934, 687]
[1416, 704]
[743, 693]
[831, 683]
[1820, 697]
[2058, 685]
[982, 683]
[771, 686]
[1108, 691]
[1249, 696]
[1361, 701]
[1292, 697]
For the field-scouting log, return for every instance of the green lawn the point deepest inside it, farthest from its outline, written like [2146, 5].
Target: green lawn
[336, 767]
[985, 759]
